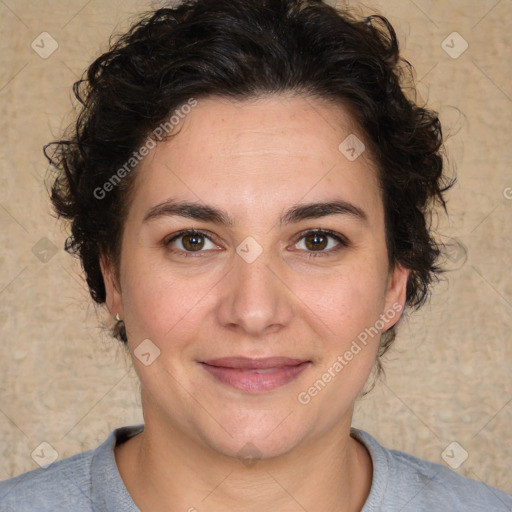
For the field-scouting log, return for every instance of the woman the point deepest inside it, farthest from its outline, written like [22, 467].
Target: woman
[248, 189]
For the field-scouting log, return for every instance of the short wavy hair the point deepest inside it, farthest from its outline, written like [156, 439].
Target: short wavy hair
[244, 49]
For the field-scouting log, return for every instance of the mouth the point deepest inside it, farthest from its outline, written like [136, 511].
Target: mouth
[255, 375]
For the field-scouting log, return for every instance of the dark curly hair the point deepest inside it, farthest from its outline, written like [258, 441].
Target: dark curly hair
[244, 49]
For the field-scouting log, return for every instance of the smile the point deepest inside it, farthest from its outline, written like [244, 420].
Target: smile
[255, 375]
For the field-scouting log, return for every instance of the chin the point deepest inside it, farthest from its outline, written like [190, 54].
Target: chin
[257, 447]
[257, 434]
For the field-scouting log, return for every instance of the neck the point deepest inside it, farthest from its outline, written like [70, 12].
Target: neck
[166, 469]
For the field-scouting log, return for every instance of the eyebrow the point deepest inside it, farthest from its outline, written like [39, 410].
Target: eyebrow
[202, 212]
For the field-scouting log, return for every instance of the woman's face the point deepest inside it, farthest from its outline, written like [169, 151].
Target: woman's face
[253, 287]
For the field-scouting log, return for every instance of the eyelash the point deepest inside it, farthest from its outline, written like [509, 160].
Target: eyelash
[311, 254]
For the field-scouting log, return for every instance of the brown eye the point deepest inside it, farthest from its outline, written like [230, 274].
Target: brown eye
[316, 241]
[321, 242]
[190, 242]
[194, 242]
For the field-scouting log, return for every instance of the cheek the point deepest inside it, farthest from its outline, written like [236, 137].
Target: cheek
[346, 301]
[154, 300]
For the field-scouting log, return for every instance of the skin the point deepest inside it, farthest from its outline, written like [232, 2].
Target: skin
[253, 159]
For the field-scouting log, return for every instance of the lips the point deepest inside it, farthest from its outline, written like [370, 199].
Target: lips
[246, 363]
[255, 375]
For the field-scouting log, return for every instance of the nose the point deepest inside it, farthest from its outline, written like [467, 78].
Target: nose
[256, 300]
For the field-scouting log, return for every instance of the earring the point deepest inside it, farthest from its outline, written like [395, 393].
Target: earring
[117, 317]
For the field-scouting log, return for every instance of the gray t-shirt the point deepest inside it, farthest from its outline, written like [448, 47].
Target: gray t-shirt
[90, 481]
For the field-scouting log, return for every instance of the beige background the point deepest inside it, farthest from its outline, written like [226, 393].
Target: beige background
[449, 378]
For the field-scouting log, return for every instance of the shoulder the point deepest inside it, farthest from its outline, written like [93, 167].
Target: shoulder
[407, 483]
[76, 483]
[65, 482]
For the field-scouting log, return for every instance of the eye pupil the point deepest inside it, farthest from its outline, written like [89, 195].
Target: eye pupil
[193, 242]
[318, 241]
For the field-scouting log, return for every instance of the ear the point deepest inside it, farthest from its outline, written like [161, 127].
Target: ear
[396, 295]
[113, 290]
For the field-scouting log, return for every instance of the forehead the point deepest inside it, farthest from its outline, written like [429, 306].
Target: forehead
[293, 126]
[270, 151]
